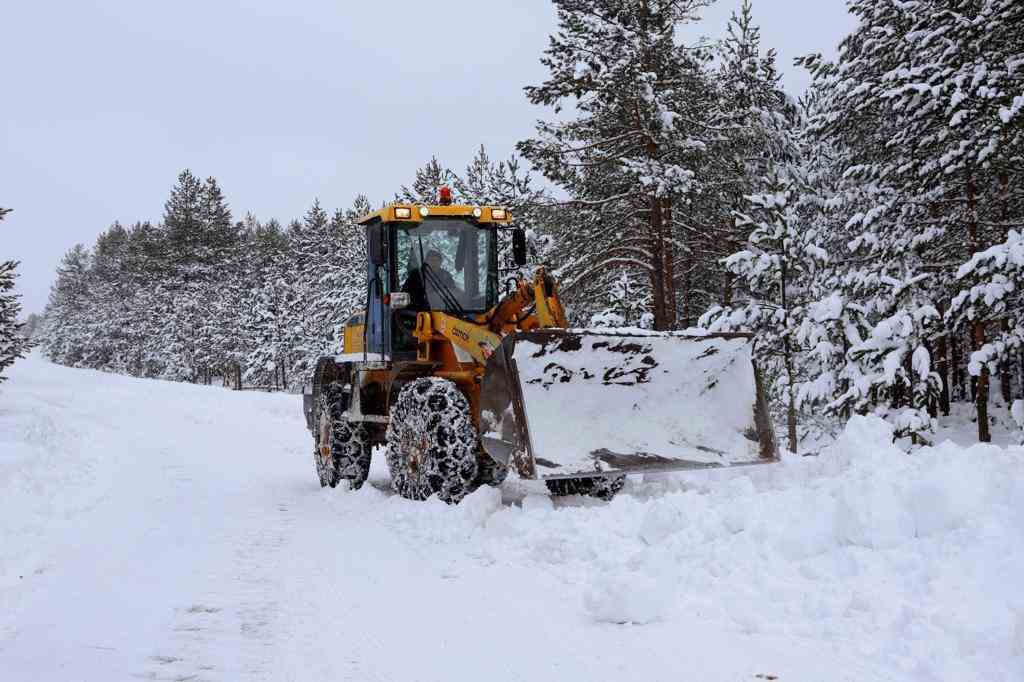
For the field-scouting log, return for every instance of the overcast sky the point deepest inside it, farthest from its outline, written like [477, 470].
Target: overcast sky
[103, 102]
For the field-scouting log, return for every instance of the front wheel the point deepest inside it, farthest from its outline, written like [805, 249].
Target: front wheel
[601, 487]
[432, 442]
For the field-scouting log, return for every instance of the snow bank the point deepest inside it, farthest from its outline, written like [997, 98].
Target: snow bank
[51, 468]
[914, 559]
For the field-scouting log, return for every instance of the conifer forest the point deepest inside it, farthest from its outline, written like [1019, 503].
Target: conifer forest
[870, 233]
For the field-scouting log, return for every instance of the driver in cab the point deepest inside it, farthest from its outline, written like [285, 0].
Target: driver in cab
[427, 289]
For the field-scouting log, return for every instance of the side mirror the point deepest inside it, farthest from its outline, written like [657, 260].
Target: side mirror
[375, 244]
[519, 246]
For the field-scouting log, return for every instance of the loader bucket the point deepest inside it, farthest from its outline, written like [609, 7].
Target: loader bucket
[559, 403]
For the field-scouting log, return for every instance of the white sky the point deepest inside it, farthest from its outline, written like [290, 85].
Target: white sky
[103, 102]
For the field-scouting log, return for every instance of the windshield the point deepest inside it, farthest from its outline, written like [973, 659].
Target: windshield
[447, 264]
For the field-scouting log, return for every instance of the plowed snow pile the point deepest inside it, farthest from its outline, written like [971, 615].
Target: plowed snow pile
[164, 531]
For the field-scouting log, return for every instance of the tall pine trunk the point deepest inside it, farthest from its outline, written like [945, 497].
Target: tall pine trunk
[956, 367]
[1006, 370]
[790, 370]
[943, 368]
[670, 269]
[933, 403]
[687, 295]
[1020, 377]
[657, 265]
[978, 327]
[1005, 364]
[981, 388]
[791, 435]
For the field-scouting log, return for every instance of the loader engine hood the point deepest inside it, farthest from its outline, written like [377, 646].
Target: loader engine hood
[563, 403]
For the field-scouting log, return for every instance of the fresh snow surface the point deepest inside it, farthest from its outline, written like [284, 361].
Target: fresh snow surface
[164, 531]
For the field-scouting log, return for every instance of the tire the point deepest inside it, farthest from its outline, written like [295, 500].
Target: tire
[349, 452]
[431, 442]
[601, 487]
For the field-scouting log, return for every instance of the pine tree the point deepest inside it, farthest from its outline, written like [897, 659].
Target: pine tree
[781, 260]
[429, 179]
[65, 335]
[200, 238]
[993, 289]
[921, 110]
[755, 122]
[184, 218]
[319, 250]
[626, 305]
[13, 344]
[504, 183]
[630, 153]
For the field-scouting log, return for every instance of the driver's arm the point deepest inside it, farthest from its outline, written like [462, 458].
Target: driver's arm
[450, 282]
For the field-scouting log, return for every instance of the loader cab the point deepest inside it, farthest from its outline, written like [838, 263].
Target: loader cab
[428, 258]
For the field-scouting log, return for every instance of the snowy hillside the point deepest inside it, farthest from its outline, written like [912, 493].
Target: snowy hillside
[166, 531]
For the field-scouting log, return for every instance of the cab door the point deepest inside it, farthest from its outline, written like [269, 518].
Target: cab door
[378, 285]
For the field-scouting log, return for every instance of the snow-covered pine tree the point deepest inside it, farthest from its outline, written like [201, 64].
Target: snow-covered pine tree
[329, 284]
[239, 273]
[266, 309]
[504, 183]
[627, 157]
[31, 325]
[753, 124]
[347, 290]
[782, 258]
[993, 291]
[65, 334]
[626, 305]
[146, 267]
[109, 293]
[13, 345]
[199, 238]
[428, 181]
[267, 320]
[833, 321]
[921, 106]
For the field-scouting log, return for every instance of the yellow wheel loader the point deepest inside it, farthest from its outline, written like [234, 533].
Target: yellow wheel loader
[461, 381]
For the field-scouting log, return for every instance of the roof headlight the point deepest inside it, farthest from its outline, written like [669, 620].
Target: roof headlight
[499, 214]
[424, 211]
[403, 212]
[477, 212]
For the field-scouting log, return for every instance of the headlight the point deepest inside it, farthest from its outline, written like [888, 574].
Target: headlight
[424, 211]
[477, 212]
[403, 212]
[499, 214]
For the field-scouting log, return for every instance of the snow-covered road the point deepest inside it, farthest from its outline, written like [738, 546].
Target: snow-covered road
[164, 531]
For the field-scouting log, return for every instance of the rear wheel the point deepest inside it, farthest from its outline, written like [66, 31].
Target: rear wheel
[342, 451]
[601, 487]
[431, 442]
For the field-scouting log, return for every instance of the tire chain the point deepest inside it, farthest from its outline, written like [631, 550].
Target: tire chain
[432, 443]
[350, 452]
